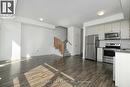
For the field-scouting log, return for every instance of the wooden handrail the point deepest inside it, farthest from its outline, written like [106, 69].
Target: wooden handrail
[58, 44]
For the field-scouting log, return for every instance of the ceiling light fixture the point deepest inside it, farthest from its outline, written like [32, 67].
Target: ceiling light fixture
[41, 19]
[100, 13]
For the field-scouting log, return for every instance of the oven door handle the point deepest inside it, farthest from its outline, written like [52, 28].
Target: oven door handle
[110, 49]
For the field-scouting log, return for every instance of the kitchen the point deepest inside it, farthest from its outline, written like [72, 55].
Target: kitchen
[104, 42]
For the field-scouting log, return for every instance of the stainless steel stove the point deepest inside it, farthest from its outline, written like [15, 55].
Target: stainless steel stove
[109, 51]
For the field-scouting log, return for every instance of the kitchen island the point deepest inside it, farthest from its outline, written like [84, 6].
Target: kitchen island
[121, 68]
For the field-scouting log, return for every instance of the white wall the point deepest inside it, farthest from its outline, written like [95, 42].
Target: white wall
[77, 41]
[34, 40]
[70, 39]
[38, 40]
[74, 37]
[10, 40]
[34, 22]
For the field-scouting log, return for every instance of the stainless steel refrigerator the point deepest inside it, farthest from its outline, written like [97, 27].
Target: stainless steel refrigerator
[92, 42]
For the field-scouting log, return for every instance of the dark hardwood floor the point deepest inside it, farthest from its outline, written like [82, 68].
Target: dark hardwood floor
[98, 74]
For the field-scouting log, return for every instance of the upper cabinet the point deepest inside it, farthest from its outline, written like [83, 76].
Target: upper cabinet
[91, 30]
[112, 27]
[101, 31]
[125, 29]
[116, 27]
[122, 27]
[108, 28]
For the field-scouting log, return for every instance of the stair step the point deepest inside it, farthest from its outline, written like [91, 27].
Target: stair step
[66, 53]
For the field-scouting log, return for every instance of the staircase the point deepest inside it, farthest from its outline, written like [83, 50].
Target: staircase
[61, 46]
[66, 53]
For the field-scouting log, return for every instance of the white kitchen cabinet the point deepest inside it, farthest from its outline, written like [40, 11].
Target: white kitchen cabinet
[99, 54]
[115, 27]
[125, 29]
[92, 30]
[122, 27]
[101, 32]
[112, 27]
[108, 28]
[89, 31]
[122, 71]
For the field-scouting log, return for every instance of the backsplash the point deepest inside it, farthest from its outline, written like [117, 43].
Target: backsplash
[125, 44]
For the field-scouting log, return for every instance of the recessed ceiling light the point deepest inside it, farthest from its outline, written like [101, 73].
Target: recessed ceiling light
[41, 19]
[0, 78]
[100, 13]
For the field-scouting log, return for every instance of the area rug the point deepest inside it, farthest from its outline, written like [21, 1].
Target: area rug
[39, 76]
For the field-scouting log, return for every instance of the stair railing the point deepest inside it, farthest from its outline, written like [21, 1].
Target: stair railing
[65, 43]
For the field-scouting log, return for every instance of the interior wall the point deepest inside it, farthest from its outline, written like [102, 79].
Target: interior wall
[10, 40]
[18, 39]
[38, 40]
[70, 39]
[74, 37]
[77, 41]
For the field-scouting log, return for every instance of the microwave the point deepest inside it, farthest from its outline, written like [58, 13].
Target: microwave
[112, 36]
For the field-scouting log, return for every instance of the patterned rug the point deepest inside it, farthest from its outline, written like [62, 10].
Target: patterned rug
[39, 76]
[42, 77]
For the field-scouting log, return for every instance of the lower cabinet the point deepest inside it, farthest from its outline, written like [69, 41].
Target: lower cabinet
[122, 70]
[100, 54]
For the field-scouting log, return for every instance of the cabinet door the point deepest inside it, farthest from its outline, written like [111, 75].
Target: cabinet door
[100, 54]
[101, 32]
[116, 27]
[91, 30]
[108, 28]
[125, 31]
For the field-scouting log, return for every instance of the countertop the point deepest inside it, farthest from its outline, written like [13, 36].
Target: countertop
[123, 50]
[120, 50]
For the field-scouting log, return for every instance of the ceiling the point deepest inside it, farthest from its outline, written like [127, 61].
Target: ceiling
[67, 12]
